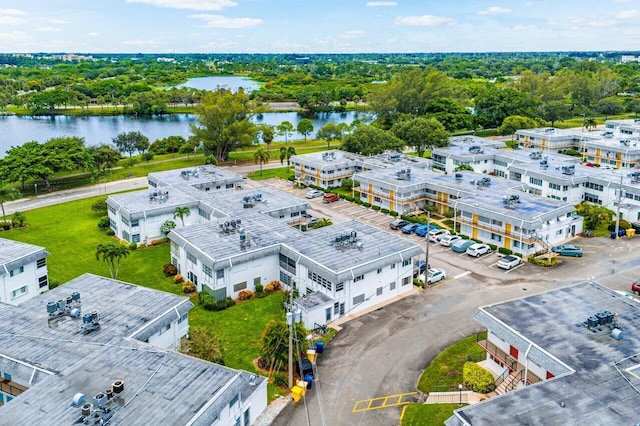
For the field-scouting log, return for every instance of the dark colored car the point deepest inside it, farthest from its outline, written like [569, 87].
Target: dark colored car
[635, 287]
[419, 267]
[423, 229]
[410, 228]
[567, 250]
[398, 223]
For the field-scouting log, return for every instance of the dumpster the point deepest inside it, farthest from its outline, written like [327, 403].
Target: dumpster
[296, 393]
[630, 233]
[621, 233]
[320, 344]
[613, 235]
[309, 379]
[311, 355]
[302, 385]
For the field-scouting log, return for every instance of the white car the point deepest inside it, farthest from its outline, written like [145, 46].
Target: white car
[447, 240]
[508, 262]
[477, 249]
[314, 193]
[433, 276]
[435, 234]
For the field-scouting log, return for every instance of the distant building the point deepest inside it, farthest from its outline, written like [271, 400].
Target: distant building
[96, 350]
[564, 357]
[23, 271]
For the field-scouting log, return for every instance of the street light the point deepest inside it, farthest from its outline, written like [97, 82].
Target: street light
[426, 252]
[294, 316]
[460, 391]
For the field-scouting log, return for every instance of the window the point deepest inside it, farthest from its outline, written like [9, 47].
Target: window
[358, 278]
[207, 271]
[247, 418]
[220, 274]
[340, 286]
[135, 238]
[233, 401]
[164, 329]
[406, 281]
[204, 214]
[113, 225]
[153, 184]
[392, 285]
[554, 186]
[19, 292]
[124, 220]
[393, 266]
[535, 181]
[379, 291]
[496, 237]
[287, 264]
[16, 271]
[406, 262]
[358, 299]
[379, 270]
[111, 209]
[192, 258]
[125, 236]
[41, 263]
[135, 222]
[256, 281]
[317, 279]
[239, 286]
[294, 214]
[192, 277]
[43, 281]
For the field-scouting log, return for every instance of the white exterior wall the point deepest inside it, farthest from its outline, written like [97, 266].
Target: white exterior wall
[149, 227]
[266, 268]
[494, 367]
[256, 404]
[170, 339]
[28, 278]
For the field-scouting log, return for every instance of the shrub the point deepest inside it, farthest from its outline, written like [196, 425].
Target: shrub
[385, 211]
[418, 283]
[229, 302]
[207, 302]
[111, 232]
[449, 213]
[349, 198]
[291, 178]
[178, 279]
[259, 290]
[245, 295]
[100, 206]
[133, 246]
[280, 379]
[147, 156]
[53, 284]
[493, 247]
[543, 262]
[376, 208]
[188, 287]
[477, 378]
[169, 269]
[393, 213]
[18, 220]
[211, 159]
[504, 251]
[464, 237]
[103, 223]
[623, 224]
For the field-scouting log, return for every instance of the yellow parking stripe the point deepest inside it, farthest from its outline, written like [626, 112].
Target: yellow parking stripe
[381, 402]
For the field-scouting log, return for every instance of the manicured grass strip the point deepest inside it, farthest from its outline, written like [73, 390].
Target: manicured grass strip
[281, 172]
[446, 369]
[428, 414]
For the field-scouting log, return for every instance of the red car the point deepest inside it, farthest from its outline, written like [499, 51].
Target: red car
[635, 287]
[330, 197]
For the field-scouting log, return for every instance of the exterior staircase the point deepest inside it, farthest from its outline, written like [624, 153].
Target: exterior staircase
[508, 384]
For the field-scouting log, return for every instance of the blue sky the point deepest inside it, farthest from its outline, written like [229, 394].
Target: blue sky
[317, 26]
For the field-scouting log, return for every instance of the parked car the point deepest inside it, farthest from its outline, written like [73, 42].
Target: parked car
[410, 228]
[567, 250]
[418, 267]
[313, 220]
[508, 262]
[398, 224]
[635, 287]
[423, 229]
[433, 276]
[314, 193]
[447, 240]
[477, 250]
[461, 245]
[435, 234]
[330, 197]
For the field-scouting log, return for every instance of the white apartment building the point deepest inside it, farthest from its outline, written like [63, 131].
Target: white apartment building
[23, 271]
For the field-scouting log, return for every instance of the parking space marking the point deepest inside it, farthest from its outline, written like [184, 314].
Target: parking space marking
[464, 274]
[383, 402]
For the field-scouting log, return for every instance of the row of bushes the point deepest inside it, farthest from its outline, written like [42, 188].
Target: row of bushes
[543, 262]
[211, 304]
[477, 378]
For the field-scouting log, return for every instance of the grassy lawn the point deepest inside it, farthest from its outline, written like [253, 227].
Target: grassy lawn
[428, 414]
[446, 369]
[280, 172]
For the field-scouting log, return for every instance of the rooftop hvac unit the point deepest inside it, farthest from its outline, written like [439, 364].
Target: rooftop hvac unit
[404, 174]
[511, 201]
[550, 130]
[394, 157]
[544, 164]
[476, 149]
[485, 181]
[328, 156]
[568, 170]
[625, 142]
[535, 155]
[608, 134]
[458, 177]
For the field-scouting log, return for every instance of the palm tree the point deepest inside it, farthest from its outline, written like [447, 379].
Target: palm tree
[287, 152]
[111, 254]
[181, 213]
[7, 193]
[261, 156]
[590, 123]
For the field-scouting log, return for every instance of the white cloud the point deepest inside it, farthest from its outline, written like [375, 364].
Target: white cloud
[48, 29]
[189, 4]
[59, 21]
[11, 20]
[14, 12]
[423, 21]
[219, 21]
[143, 43]
[626, 14]
[93, 34]
[518, 28]
[353, 34]
[382, 4]
[529, 3]
[494, 10]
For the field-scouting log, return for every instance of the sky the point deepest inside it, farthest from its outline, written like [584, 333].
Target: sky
[317, 26]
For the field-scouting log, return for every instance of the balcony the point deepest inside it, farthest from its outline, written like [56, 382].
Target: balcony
[508, 361]
[11, 388]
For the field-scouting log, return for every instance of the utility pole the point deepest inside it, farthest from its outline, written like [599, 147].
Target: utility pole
[293, 317]
[618, 209]
[426, 252]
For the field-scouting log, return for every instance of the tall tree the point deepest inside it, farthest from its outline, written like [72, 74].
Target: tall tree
[267, 135]
[555, 110]
[181, 213]
[112, 254]
[328, 132]
[224, 122]
[421, 133]
[7, 193]
[104, 156]
[287, 152]
[261, 156]
[284, 129]
[516, 122]
[130, 142]
[370, 140]
[305, 127]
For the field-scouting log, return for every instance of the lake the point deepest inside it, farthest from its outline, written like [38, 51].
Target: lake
[230, 82]
[16, 130]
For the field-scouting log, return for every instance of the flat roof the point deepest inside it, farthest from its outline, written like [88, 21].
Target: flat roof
[125, 310]
[194, 176]
[15, 253]
[601, 386]
[262, 199]
[396, 175]
[328, 158]
[153, 201]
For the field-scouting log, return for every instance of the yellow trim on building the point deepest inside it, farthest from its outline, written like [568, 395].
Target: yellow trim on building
[597, 155]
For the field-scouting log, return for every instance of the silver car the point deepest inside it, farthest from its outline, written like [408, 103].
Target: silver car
[508, 262]
[314, 193]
